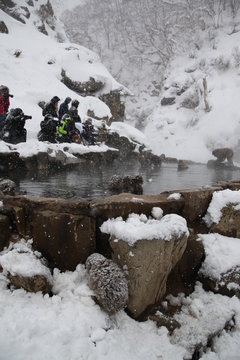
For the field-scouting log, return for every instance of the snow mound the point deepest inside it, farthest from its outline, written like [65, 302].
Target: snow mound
[222, 254]
[20, 259]
[221, 199]
[139, 227]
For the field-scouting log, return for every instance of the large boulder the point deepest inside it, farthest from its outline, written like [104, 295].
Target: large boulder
[183, 277]
[148, 250]
[223, 213]
[229, 224]
[3, 28]
[26, 268]
[196, 202]
[83, 88]
[5, 230]
[108, 283]
[113, 101]
[7, 186]
[65, 240]
[220, 269]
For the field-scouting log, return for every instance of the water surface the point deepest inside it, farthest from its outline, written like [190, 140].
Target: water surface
[94, 182]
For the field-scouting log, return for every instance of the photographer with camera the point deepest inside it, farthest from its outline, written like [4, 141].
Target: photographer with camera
[13, 130]
[4, 103]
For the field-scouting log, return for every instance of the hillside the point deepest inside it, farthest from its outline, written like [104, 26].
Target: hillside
[32, 65]
[186, 129]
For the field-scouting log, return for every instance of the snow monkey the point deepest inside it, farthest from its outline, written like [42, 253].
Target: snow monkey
[222, 154]
[108, 283]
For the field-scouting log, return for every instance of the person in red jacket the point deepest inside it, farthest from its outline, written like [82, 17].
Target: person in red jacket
[4, 102]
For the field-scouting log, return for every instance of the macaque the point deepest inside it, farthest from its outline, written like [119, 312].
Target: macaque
[222, 154]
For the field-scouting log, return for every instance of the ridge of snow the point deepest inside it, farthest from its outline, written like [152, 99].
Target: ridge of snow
[139, 227]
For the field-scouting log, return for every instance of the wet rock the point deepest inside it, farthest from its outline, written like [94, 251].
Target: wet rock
[89, 87]
[148, 159]
[168, 101]
[65, 240]
[229, 224]
[197, 202]
[3, 28]
[108, 283]
[182, 165]
[7, 187]
[5, 231]
[183, 277]
[125, 146]
[164, 320]
[228, 284]
[26, 268]
[31, 284]
[129, 184]
[113, 101]
[10, 161]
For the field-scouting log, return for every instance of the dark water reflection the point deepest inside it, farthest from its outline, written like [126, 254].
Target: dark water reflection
[93, 182]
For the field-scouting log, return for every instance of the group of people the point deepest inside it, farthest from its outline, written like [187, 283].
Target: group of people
[64, 124]
[61, 124]
[12, 123]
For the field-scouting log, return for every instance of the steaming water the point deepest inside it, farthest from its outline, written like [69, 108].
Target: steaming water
[93, 182]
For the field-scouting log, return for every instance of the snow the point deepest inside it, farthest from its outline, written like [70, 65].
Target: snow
[193, 133]
[206, 313]
[19, 259]
[222, 254]
[130, 132]
[69, 324]
[31, 79]
[138, 227]
[219, 200]
[157, 213]
[174, 196]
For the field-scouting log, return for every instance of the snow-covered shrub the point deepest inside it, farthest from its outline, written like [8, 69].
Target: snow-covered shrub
[202, 63]
[236, 56]
[222, 63]
[108, 283]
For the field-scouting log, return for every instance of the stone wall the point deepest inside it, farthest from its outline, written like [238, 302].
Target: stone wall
[67, 232]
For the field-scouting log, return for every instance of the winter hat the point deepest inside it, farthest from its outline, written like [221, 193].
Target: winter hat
[75, 103]
[17, 112]
[67, 100]
[55, 99]
[4, 90]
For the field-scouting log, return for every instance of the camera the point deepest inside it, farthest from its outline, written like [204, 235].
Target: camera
[27, 117]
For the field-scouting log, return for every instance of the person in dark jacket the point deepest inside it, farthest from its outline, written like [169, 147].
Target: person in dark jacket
[13, 131]
[88, 132]
[73, 111]
[4, 103]
[48, 129]
[63, 109]
[51, 108]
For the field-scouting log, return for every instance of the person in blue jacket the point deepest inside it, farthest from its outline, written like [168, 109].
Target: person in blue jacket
[64, 107]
